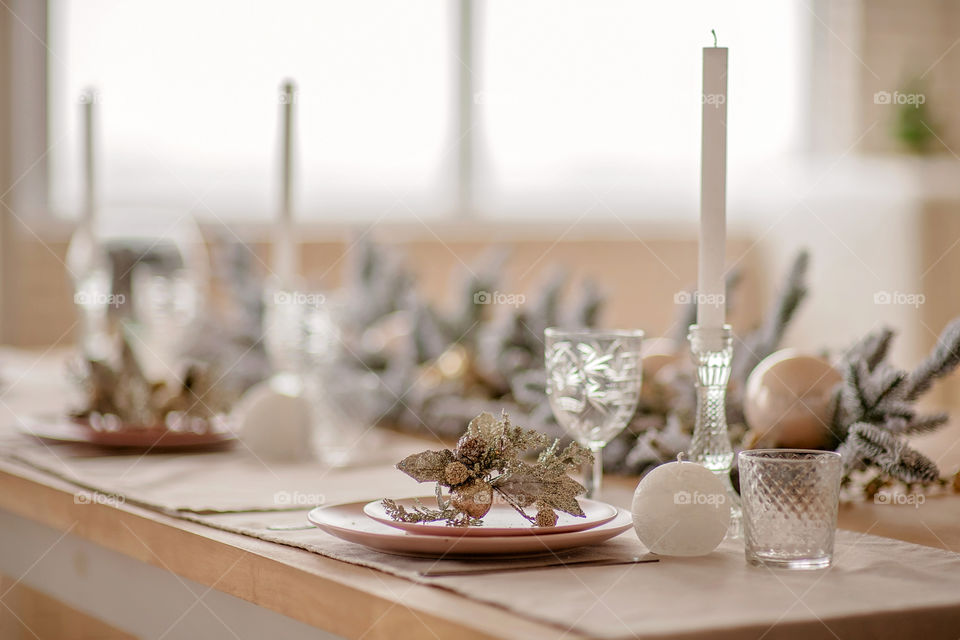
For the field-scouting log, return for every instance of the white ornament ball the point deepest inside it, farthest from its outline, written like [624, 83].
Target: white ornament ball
[787, 400]
[275, 421]
[681, 509]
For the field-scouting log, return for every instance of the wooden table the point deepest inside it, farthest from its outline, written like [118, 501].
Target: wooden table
[319, 592]
[106, 570]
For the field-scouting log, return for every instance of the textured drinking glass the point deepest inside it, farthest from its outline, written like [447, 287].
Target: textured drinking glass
[789, 499]
[593, 382]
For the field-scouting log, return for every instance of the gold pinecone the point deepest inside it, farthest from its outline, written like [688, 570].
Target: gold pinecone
[470, 449]
[456, 473]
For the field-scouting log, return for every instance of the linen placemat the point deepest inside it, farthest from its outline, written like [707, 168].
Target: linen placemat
[878, 588]
[225, 481]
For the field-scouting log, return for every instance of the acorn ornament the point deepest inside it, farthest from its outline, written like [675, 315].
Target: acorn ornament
[472, 498]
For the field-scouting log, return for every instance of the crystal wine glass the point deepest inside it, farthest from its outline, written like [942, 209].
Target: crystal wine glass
[593, 383]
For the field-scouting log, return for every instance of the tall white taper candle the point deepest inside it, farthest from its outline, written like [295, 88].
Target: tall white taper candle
[285, 254]
[87, 122]
[713, 193]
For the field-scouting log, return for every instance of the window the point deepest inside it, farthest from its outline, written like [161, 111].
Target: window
[188, 103]
[571, 103]
[602, 98]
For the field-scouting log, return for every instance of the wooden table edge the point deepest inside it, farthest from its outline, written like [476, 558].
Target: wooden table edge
[335, 596]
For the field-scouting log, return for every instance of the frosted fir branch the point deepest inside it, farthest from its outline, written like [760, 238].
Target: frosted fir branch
[544, 308]
[585, 311]
[529, 387]
[912, 467]
[788, 299]
[872, 444]
[942, 360]
[837, 426]
[878, 348]
[855, 401]
[766, 339]
[857, 451]
[884, 385]
[871, 349]
[896, 409]
[870, 397]
[926, 424]
[468, 315]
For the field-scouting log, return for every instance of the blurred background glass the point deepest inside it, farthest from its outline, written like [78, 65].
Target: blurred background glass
[144, 272]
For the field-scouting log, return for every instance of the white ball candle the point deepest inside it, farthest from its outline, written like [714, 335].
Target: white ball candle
[274, 422]
[681, 509]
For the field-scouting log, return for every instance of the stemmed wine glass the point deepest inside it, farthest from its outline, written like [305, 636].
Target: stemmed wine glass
[593, 382]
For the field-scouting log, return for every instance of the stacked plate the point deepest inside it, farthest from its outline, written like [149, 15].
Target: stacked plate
[503, 532]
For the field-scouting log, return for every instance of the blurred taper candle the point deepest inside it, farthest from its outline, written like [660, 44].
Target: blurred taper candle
[713, 193]
[87, 120]
[285, 254]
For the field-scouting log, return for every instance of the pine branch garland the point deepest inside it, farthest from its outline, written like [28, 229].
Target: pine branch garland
[766, 339]
[874, 407]
[872, 444]
[942, 360]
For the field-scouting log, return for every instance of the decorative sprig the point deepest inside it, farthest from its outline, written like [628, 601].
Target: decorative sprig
[869, 444]
[942, 360]
[122, 391]
[488, 459]
[875, 412]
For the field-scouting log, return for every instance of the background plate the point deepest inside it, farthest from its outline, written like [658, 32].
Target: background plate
[63, 429]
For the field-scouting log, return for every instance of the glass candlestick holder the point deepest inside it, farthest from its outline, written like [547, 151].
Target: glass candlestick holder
[712, 352]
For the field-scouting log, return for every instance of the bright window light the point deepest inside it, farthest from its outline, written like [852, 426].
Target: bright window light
[189, 104]
[591, 98]
[580, 107]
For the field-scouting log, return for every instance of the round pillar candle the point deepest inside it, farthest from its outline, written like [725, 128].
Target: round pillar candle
[681, 509]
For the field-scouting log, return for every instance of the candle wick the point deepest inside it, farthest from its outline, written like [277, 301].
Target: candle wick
[681, 456]
[714, 32]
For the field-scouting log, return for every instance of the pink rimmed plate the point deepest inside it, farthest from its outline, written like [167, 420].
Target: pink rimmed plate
[153, 438]
[349, 522]
[501, 520]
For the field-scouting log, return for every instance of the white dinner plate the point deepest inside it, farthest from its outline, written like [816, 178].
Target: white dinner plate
[501, 520]
[349, 522]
